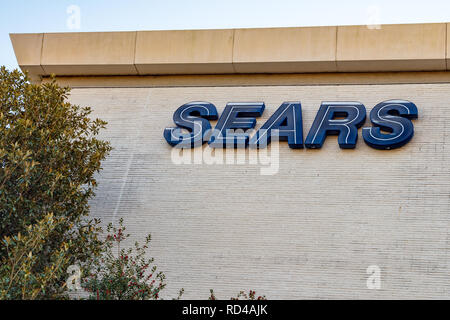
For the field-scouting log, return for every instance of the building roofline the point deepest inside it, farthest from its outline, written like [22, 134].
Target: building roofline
[386, 48]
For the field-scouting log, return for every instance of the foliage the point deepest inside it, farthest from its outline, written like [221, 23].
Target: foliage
[241, 296]
[124, 274]
[49, 155]
[19, 280]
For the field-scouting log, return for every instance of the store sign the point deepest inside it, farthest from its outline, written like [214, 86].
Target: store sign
[391, 125]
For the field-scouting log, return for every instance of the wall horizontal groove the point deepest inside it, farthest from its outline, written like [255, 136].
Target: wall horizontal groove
[406, 47]
[243, 80]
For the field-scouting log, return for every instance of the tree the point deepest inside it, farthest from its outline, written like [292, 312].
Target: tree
[241, 296]
[49, 155]
[19, 279]
[124, 273]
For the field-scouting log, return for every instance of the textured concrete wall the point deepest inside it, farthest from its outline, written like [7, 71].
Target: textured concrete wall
[309, 231]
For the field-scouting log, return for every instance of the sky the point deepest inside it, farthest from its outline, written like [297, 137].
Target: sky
[36, 16]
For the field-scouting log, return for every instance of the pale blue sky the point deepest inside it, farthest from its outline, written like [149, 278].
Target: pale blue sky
[109, 15]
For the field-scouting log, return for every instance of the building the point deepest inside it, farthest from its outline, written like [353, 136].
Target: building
[326, 223]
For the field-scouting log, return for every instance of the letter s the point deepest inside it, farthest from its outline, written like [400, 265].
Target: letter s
[193, 116]
[392, 116]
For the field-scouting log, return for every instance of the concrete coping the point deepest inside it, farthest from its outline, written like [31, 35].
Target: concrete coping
[386, 48]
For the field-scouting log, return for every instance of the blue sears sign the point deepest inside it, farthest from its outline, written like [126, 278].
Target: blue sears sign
[391, 125]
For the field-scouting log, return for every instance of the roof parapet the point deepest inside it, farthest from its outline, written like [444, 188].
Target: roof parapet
[406, 47]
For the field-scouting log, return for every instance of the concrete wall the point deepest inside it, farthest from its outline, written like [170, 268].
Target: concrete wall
[309, 231]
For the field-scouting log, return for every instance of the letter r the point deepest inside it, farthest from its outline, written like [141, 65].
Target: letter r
[325, 123]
